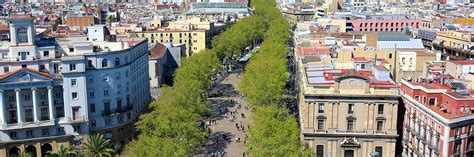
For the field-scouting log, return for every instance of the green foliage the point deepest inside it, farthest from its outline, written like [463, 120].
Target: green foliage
[97, 146]
[63, 151]
[274, 132]
[172, 128]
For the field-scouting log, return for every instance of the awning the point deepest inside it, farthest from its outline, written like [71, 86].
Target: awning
[245, 58]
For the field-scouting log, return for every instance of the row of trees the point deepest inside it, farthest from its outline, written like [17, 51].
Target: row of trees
[173, 127]
[274, 131]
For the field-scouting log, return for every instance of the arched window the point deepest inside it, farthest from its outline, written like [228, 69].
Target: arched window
[104, 63]
[117, 61]
[22, 35]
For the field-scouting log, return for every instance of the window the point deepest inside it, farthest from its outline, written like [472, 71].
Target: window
[350, 125]
[380, 109]
[117, 61]
[379, 125]
[46, 53]
[321, 107]
[117, 75]
[13, 135]
[105, 78]
[104, 63]
[351, 109]
[45, 132]
[60, 130]
[89, 64]
[22, 35]
[59, 112]
[73, 82]
[29, 115]
[74, 95]
[11, 98]
[120, 118]
[320, 124]
[72, 67]
[106, 91]
[121, 132]
[6, 69]
[319, 151]
[107, 121]
[431, 101]
[77, 128]
[92, 108]
[44, 114]
[71, 49]
[91, 93]
[29, 133]
[27, 97]
[379, 150]
[93, 123]
[390, 56]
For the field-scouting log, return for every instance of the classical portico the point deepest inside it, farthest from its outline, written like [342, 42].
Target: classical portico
[28, 100]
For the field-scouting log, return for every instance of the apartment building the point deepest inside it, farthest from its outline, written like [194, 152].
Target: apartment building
[347, 112]
[455, 44]
[385, 23]
[58, 91]
[195, 33]
[439, 118]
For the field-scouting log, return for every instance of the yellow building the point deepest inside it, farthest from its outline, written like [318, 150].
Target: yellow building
[294, 17]
[464, 21]
[195, 33]
[455, 44]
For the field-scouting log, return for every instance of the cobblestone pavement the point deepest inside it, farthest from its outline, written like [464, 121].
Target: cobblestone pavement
[226, 139]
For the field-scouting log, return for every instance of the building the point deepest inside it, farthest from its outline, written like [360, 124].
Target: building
[385, 23]
[195, 33]
[439, 118]
[460, 69]
[455, 44]
[163, 61]
[58, 91]
[79, 22]
[347, 112]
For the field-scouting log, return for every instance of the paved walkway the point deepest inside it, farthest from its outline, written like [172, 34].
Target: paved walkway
[227, 137]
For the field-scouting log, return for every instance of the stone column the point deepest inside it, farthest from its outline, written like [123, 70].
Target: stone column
[2, 109]
[51, 103]
[19, 107]
[35, 104]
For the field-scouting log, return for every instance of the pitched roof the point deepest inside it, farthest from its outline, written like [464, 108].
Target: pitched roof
[7, 75]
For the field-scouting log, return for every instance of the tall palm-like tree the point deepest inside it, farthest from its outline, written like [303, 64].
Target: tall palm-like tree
[97, 146]
[63, 151]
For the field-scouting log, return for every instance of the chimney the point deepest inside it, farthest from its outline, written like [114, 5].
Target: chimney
[442, 77]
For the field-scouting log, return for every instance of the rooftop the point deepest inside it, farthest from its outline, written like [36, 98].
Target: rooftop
[453, 99]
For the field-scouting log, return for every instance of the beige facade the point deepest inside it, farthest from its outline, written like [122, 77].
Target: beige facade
[403, 70]
[195, 33]
[455, 44]
[37, 147]
[351, 116]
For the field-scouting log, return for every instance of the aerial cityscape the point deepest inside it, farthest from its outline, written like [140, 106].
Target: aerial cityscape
[237, 78]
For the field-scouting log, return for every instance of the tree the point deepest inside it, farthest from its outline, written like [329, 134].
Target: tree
[111, 19]
[63, 151]
[97, 146]
[26, 154]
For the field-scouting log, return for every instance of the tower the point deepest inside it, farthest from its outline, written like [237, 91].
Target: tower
[22, 38]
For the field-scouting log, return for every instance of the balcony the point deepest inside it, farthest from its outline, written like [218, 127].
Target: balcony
[13, 126]
[349, 132]
[117, 110]
[321, 131]
[380, 132]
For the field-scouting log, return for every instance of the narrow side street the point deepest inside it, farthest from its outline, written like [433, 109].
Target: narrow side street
[229, 121]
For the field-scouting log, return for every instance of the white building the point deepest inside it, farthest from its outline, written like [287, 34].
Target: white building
[52, 95]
